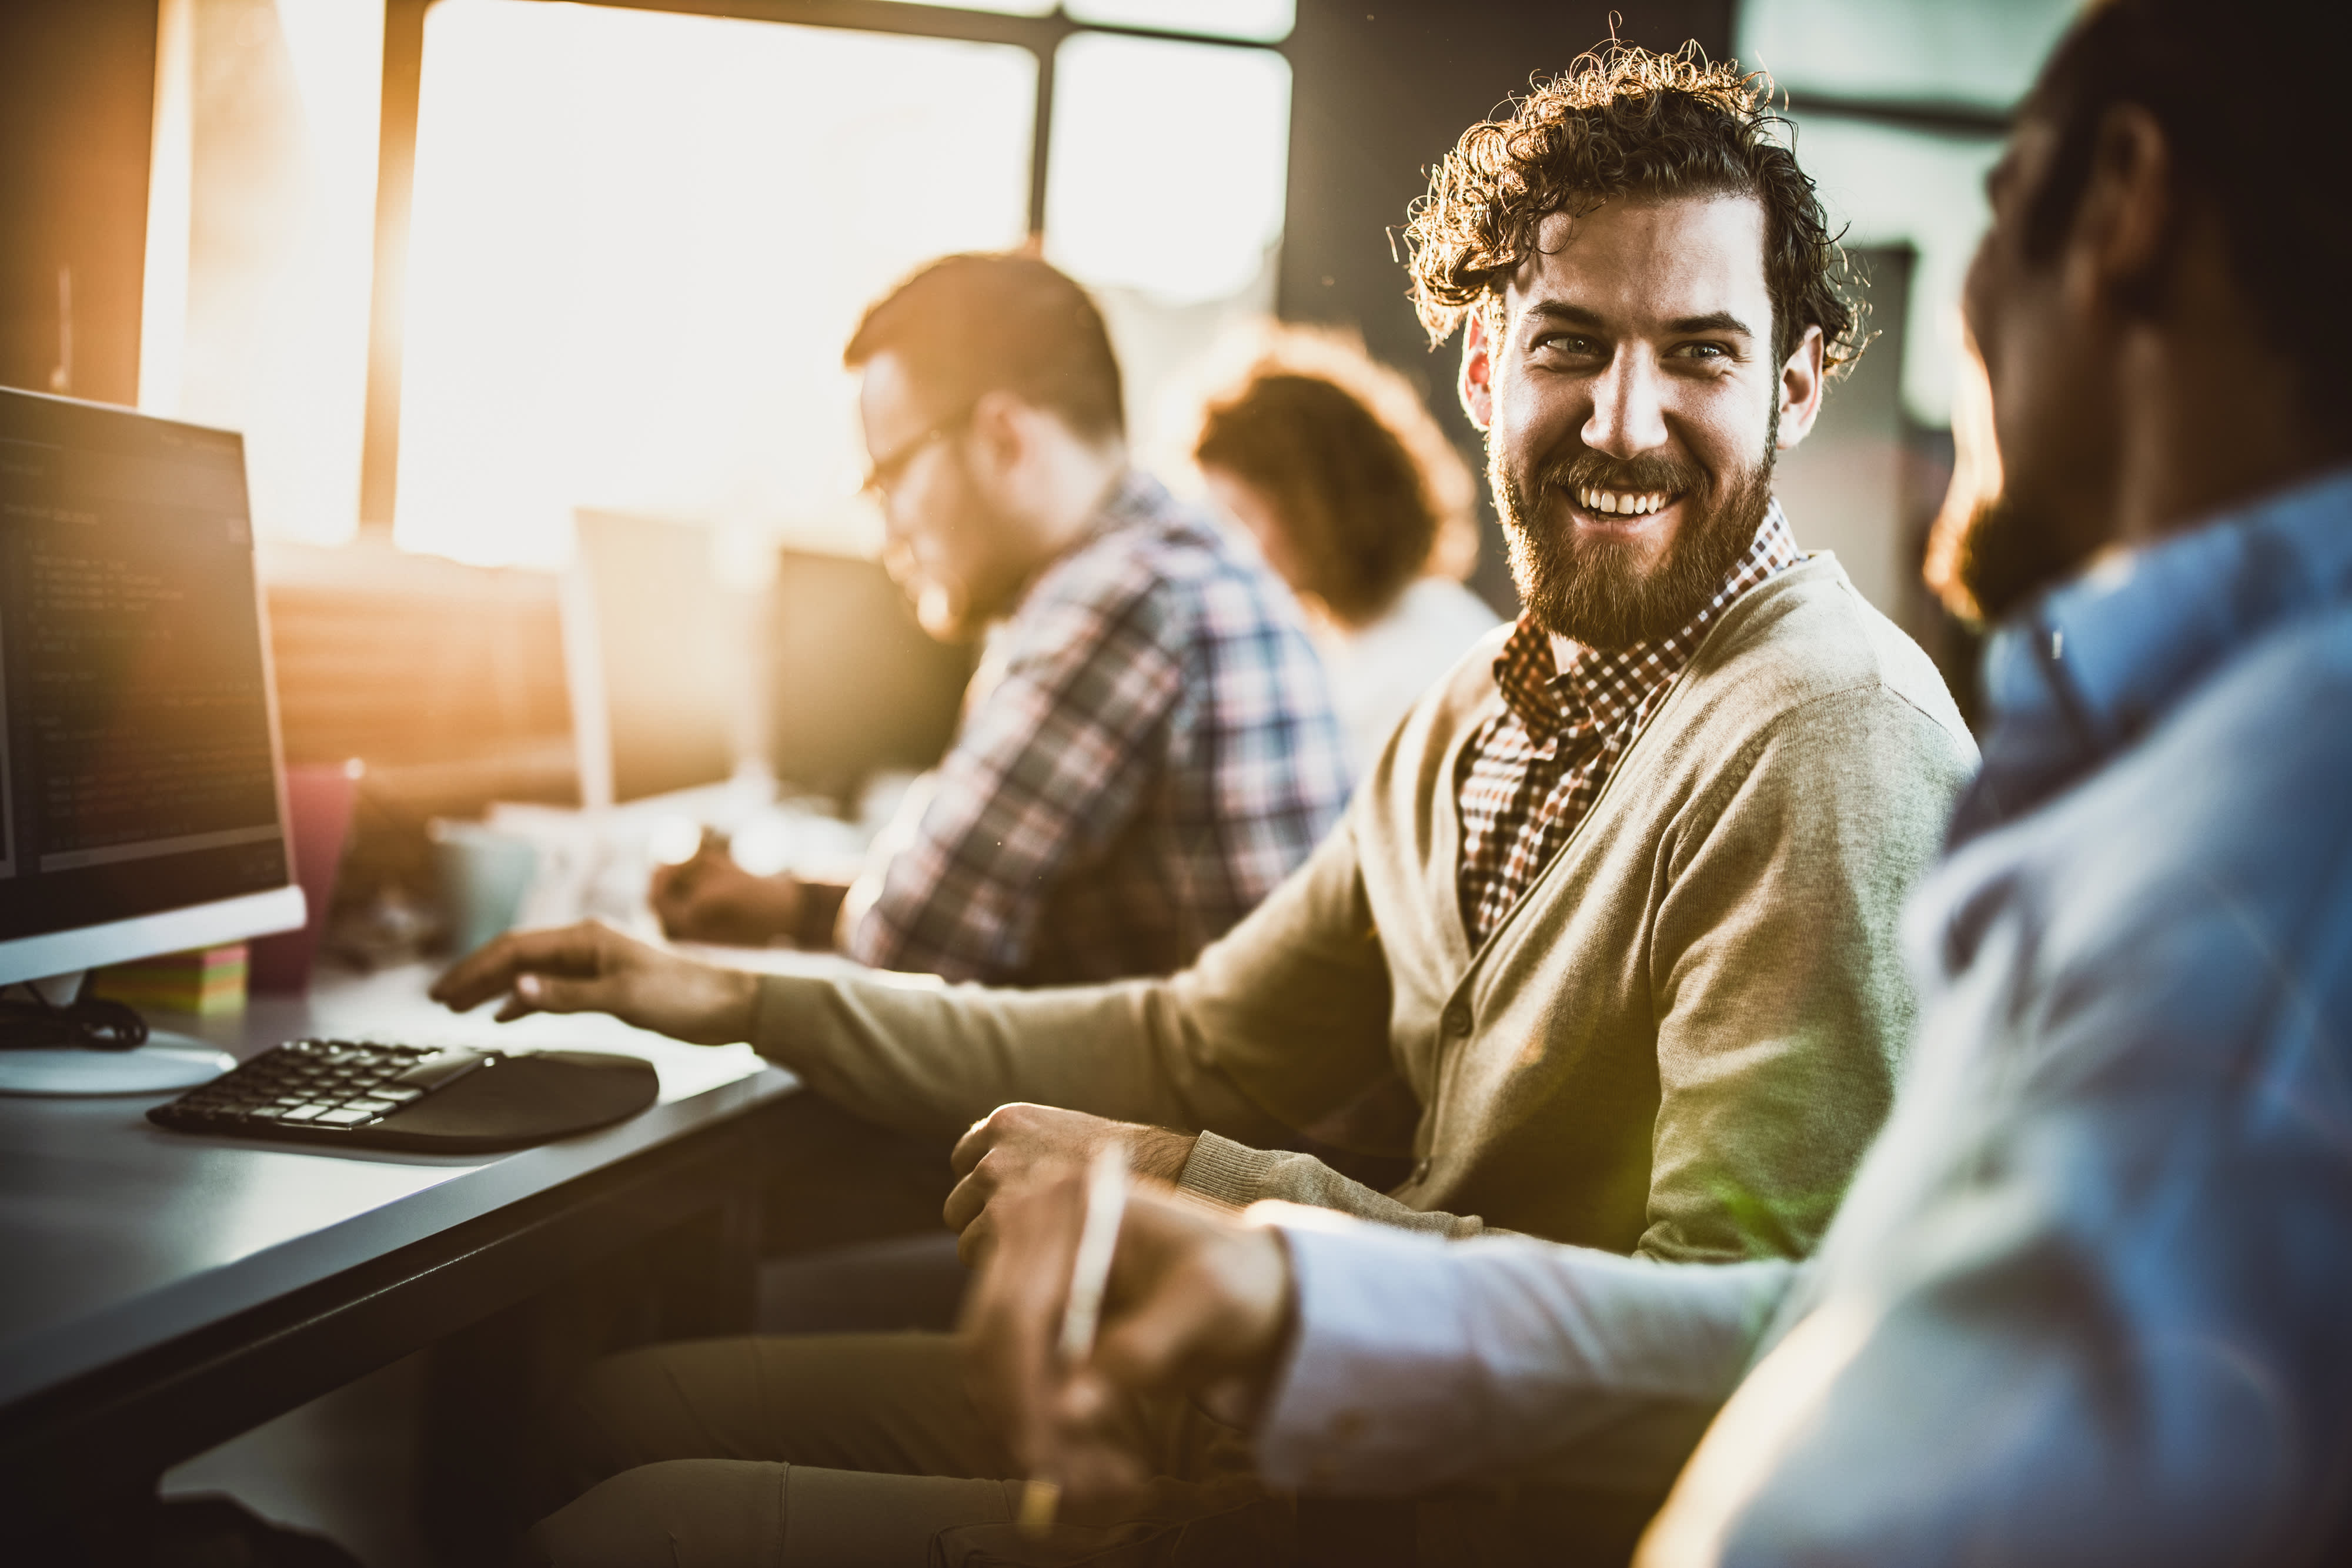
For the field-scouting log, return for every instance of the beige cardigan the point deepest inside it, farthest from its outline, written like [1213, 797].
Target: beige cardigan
[1677, 1043]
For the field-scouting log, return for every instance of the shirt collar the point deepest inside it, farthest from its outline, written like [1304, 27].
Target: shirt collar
[1597, 681]
[1138, 500]
[2081, 673]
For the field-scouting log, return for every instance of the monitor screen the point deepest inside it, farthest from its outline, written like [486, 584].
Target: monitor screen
[138, 771]
[854, 684]
[670, 682]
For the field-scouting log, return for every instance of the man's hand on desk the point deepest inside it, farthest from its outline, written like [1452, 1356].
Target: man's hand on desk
[710, 898]
[1199, 1304]
[1012, 1144]
[592, 968]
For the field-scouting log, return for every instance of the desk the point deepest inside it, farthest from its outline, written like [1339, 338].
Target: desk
[160, 1292]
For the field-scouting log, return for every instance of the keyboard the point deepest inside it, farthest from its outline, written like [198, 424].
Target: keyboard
[364, 1094]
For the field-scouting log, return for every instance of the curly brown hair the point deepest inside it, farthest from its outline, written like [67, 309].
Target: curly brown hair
[1625, 121]
[1368, 493]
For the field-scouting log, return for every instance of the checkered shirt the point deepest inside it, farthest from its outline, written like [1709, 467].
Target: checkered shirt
[1531, 772]
[1148, 749]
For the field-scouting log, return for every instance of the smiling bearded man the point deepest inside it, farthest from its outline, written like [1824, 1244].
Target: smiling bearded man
[1603, 951]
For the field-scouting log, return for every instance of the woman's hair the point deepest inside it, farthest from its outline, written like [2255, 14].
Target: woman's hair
[1368, 493]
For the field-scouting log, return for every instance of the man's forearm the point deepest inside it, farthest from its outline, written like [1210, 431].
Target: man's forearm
[917, 1054]
[1417, 1362]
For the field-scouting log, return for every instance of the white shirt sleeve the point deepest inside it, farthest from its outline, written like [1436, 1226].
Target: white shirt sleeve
[1417, 1362]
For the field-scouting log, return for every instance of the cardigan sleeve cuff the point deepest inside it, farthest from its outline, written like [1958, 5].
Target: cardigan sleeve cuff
[1225, 1172]
[772, 1012]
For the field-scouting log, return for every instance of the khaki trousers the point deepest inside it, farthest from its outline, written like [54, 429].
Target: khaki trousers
[855, 1449]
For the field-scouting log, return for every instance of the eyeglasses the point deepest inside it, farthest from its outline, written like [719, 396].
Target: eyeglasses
[884, 474]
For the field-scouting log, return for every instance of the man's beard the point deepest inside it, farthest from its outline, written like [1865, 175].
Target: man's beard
[1986, 558]
[953, 608]
[1592, 590]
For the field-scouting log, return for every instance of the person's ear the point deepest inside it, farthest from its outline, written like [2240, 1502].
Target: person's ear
[1478, 382]
[999, 438]
[2117, 253]
[1802, 375]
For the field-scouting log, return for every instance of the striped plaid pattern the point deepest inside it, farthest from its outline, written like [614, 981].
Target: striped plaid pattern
[1149, 750]
[1531, 772]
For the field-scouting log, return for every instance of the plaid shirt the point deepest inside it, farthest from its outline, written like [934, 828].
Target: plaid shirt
[1531, 772]
[1149, 750]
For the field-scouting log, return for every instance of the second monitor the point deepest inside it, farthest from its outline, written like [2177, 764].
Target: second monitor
[854, 684]
[672, 675]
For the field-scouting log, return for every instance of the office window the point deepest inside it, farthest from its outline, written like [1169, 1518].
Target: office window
[1164, 194]
[260, 244]
[1892, 51]
[1167, 164]
[639, 242]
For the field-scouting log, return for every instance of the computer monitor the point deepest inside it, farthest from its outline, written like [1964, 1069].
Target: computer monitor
[854, 683]
[658, 659]
[141, 800]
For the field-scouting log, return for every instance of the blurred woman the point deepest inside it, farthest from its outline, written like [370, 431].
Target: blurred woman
[1358, 501]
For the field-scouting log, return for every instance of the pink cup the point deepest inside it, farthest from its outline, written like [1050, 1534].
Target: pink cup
[319, 800]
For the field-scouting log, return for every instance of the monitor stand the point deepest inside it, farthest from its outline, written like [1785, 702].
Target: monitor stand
[166, 1064]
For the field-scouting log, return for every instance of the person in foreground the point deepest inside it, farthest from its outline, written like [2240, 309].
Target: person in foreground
[1361, 504]
[1149, 746]
[2085, 1301]
[1602, 952]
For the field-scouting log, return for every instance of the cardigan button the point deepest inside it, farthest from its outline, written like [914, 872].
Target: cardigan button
[1457, 1018]
[1419, 1170]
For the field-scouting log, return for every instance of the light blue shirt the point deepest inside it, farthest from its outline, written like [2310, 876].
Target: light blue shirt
[2093, 1285]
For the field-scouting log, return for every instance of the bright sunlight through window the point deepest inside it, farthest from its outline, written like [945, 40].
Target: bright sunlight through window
[262, 243]
[640, 240]
[1167, 164]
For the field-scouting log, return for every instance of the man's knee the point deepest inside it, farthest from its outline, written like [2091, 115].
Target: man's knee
[860, 1402]
[618, 1390]
[680, 1513]
[616, 1416]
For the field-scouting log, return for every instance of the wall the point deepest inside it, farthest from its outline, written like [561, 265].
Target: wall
[77, 83]
[1842, 486]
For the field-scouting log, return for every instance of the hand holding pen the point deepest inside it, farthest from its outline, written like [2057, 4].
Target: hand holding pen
[1105, 1292]
[1107, 1184]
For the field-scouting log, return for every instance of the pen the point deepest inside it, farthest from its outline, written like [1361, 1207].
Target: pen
[1082, 1309]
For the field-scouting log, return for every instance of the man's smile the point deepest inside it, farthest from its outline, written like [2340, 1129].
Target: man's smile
[1621, 514]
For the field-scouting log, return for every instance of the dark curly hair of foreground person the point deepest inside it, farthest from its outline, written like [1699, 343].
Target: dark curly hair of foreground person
[1626, 121]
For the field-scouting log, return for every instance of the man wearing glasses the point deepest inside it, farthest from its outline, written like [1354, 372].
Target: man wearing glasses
[1148, 747]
